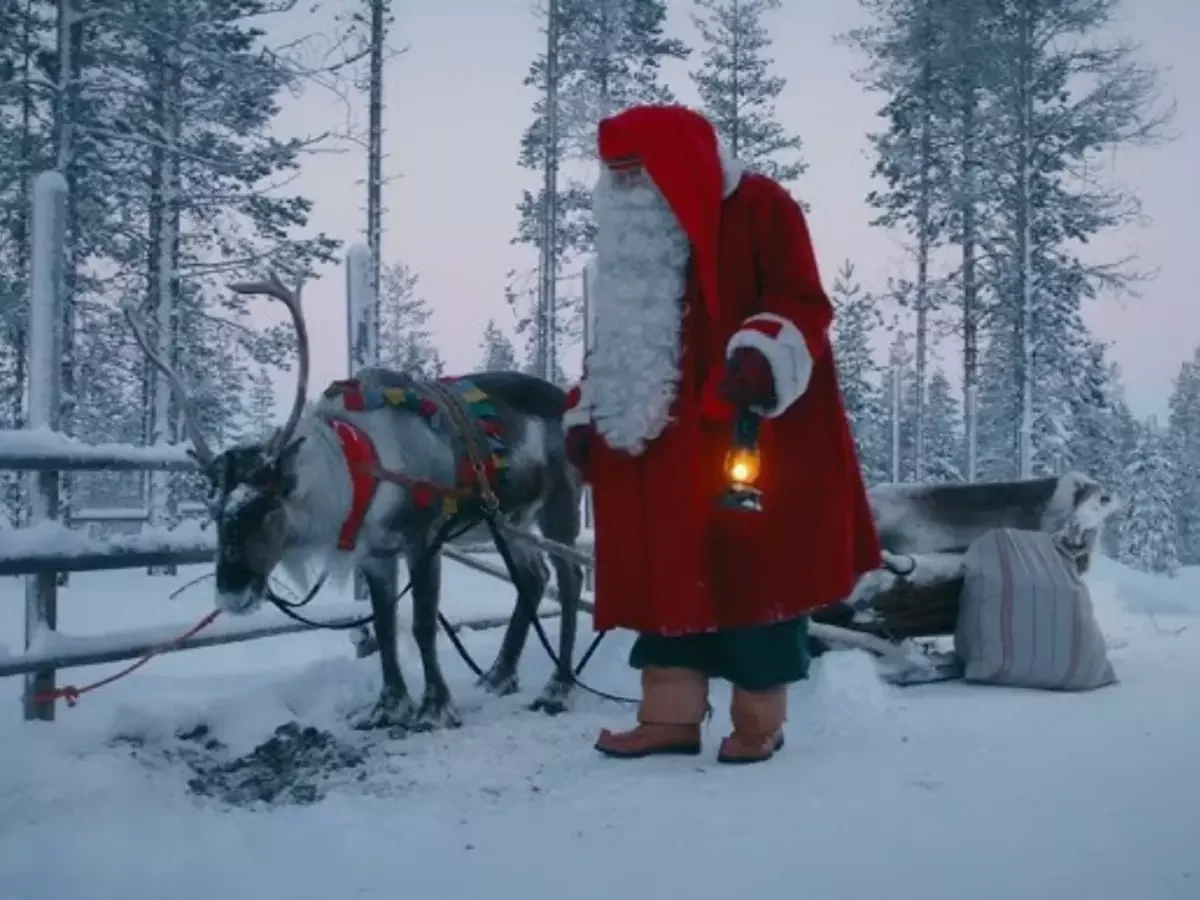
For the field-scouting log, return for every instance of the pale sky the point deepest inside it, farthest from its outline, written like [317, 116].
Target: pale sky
[455, 109]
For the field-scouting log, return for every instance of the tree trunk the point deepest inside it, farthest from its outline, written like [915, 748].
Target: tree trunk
[924, 242]
[968, 203]
[1024, 229]
[162, 275]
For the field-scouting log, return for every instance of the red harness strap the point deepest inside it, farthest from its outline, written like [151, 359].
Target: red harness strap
[363, 462]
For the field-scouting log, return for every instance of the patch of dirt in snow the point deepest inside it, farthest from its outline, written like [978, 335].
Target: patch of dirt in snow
[296, 765]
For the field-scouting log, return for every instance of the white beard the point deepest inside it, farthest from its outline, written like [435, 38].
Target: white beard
[633, 370]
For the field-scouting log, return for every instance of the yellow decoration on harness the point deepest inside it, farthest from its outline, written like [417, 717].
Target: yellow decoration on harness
[395, 396]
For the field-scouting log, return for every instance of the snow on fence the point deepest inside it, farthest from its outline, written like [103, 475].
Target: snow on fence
[49, 546]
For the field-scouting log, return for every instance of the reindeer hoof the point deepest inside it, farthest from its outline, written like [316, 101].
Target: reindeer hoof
[499, 682]
[553, 699]
[436, 714]
[395, 715]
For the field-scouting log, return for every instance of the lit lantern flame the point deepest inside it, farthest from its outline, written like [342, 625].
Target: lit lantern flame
[742, 466]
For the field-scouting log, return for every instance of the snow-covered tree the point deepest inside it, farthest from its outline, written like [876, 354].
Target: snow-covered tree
[405, 340]
[897, 381]
[737, 89]
[1148, 540]
[608, 55]
[1067, 94]
[1184, 437]
[260, 405]
[496, 350]
[855, 320]
[905, 49]
[943, 432]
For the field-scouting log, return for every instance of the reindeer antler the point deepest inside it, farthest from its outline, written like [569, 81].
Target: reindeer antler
[191, 424]
[275, 289]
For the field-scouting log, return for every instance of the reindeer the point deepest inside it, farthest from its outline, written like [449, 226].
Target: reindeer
[297, 500]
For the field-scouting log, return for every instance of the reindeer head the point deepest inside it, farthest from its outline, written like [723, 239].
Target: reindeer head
[1092, 505]
[249, 485]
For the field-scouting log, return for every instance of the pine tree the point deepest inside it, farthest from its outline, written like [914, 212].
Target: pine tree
[897, 398]
[609, 55]
[405, 341]
[1067, 95]
[906, 61]
[261, 404]
[1095, 414]
[856, 318]
[1148, 542]
[1184, 437]
[943, 434]
[496, 350]
[737, 90]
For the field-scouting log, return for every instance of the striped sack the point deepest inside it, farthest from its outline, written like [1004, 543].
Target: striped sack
[1025, 617]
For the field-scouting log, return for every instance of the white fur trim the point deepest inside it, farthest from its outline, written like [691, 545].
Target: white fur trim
[787, 353]
[732, 170]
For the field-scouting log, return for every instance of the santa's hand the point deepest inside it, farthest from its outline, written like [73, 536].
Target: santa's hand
[579, 450]
[748, 380]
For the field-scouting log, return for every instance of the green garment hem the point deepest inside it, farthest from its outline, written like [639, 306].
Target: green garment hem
[754, 659]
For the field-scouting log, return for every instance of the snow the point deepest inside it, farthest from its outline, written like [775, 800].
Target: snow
[24, 446]
[48, 541]
[939, 791]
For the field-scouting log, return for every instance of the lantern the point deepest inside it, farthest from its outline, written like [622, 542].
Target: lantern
[742, 466]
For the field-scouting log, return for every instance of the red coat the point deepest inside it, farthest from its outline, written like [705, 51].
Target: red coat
[667, 559]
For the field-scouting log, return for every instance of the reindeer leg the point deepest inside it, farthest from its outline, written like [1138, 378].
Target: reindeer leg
[531, 577]
[395, 708]
[557, 692]
[559, 519]
[437, 708]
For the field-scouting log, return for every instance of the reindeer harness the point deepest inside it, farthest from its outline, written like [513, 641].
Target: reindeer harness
[458, 408]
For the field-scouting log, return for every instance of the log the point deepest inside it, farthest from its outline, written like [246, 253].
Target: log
[903, 611]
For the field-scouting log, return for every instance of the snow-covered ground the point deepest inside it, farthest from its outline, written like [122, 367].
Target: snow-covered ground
[941, 791]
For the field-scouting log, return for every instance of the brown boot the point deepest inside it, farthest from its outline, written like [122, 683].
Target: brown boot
[758, 718]
[674, 704]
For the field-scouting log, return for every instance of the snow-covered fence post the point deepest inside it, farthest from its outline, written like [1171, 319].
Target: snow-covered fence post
[896, 373]
[362, 349]
[362, 322]
[45, 356]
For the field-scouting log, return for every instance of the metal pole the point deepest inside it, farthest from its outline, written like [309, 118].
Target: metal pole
[45, 381]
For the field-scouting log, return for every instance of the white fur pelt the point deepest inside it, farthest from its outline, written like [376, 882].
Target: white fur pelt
[641, 275]
[317, 509]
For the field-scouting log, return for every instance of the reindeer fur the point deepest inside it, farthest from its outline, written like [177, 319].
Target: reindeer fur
[540, 488]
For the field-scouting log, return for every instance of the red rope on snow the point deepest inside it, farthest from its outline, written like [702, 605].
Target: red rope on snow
[71, 693]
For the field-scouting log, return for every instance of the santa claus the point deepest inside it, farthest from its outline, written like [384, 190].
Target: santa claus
[707, 301]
